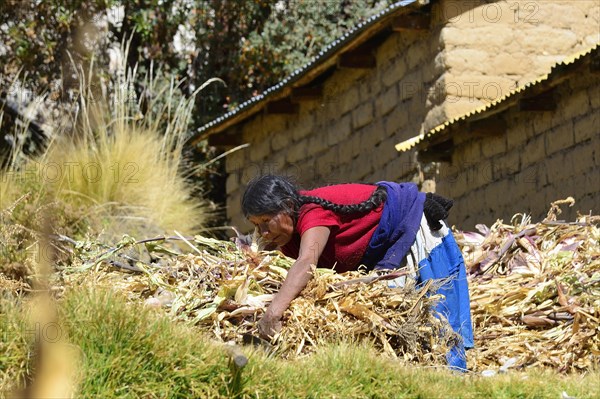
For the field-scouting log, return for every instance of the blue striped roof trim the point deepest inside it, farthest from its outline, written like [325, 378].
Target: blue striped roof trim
[295, 75]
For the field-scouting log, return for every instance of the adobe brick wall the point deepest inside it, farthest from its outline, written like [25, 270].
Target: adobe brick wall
[468, 57]
[349, 135]
[489, 48]
[542, 157]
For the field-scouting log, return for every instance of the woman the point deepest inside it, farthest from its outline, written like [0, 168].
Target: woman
[383, 226]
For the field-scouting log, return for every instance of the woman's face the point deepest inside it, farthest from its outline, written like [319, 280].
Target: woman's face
[276, 228]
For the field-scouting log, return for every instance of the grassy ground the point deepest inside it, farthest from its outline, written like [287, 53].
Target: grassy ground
[126, 351]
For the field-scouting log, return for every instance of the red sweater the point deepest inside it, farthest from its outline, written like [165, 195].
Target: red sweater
[349, 235]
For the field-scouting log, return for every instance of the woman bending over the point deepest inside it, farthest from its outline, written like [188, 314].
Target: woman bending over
[383, 226]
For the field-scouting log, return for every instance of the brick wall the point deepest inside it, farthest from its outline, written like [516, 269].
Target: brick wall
[489, 48]
[349, 135]
[542, 157]
[469, 56]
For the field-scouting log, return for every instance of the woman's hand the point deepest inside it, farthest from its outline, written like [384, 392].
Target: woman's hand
[268, 326]
[312, 243]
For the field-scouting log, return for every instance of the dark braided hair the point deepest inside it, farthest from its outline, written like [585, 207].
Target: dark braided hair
[377, 198]
[271, 194]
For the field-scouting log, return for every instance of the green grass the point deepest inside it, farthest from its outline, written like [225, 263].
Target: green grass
[14, 343]
[128, 352]
[131, 352]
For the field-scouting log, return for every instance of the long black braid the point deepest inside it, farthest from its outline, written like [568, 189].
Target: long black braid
[271, 194]
[377, 198]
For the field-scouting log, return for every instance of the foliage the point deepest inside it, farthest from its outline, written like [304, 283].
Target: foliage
[295, 33]
[220, 28]
[36, 37]
[272, 40]
[248, 44]
[51, 40]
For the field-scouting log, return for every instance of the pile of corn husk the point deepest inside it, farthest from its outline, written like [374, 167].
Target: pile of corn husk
[399, 321]
[535, 297]
[224, 290]
[535, 292]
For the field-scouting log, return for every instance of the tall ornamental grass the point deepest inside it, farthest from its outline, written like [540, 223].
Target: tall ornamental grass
[128, 164]
[116, 168]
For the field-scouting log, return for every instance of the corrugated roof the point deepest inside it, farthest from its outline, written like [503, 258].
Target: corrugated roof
[330, 50]
[414, 141]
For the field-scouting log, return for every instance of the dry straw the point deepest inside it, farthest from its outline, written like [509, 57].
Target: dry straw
[224, 291]
[535, 292]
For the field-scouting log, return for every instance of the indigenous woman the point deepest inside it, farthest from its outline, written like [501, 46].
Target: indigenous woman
[383, 226]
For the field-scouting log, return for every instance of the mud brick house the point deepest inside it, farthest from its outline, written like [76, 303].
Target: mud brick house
[537, 144]
[403, 73]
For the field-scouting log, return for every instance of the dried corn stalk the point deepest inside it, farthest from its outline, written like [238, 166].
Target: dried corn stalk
[399, 321]
[535, 292]
[225, 291]
[535, 297]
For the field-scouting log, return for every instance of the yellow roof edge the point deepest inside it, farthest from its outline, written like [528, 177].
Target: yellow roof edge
[410, 143]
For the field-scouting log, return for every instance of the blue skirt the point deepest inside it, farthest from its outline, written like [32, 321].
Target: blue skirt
[435, 255]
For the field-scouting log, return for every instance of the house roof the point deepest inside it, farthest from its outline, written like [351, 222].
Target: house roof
[511, 98]
[326, 58]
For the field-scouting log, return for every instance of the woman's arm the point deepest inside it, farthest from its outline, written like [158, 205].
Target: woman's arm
[312, 243]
